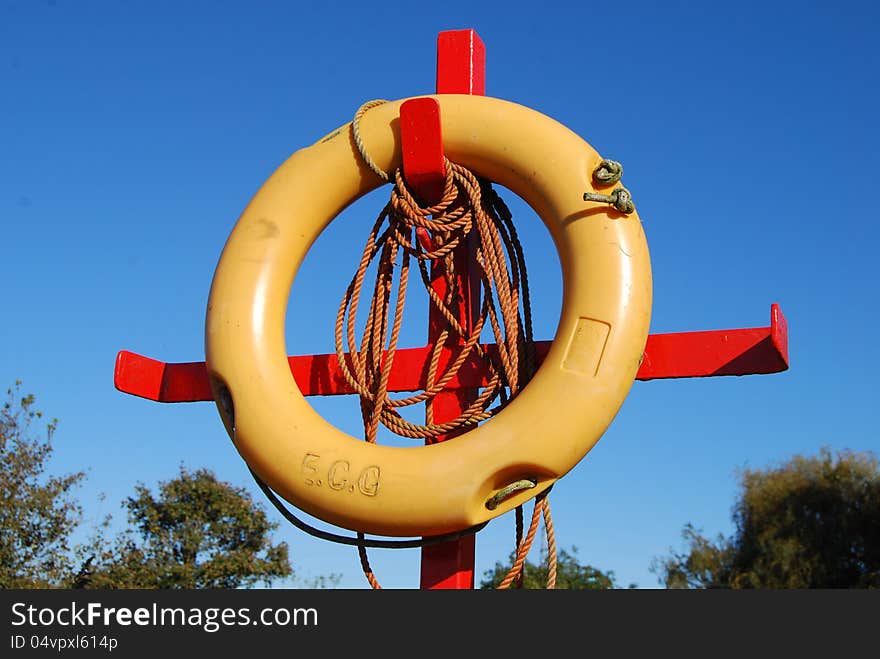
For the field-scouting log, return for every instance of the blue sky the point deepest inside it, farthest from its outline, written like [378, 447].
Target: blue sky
[132, 135]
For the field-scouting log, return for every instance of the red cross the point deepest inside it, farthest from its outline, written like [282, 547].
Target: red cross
[461, 69]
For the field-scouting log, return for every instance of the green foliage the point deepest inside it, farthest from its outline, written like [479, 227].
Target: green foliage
[813, 522]
[570, 575]
[37, 512]
[321, 582]
[705, 564]
[198, 532]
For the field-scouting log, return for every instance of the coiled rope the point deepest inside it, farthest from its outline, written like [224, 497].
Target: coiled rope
[469, 210]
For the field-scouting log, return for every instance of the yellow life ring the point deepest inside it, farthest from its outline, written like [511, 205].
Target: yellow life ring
[540, 435]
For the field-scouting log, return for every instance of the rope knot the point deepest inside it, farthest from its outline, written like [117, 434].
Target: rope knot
[607, 172]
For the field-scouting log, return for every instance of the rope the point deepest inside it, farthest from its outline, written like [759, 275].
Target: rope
[607, 172]
[469, 211]
[469, 207]
[355, 129]
[507, 491]
[551, 548]
[620, 199]
[525, 545]
[360, 540]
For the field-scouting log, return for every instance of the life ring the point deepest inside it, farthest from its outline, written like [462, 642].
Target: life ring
[539, 436]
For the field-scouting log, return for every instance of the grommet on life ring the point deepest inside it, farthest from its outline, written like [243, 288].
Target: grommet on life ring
[539, 436]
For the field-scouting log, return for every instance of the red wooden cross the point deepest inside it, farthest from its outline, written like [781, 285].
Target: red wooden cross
[461, 69]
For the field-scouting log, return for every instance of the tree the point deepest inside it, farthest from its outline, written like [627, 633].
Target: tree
[37, 512]
[570, 575]
[812, 522]
[199, 532]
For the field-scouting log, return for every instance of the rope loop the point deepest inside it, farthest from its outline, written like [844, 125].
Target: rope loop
[359, 142]
[505, 492]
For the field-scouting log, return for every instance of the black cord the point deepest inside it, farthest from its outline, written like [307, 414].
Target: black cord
[359, 542]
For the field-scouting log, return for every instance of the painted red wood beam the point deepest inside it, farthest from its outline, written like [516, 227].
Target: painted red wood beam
[461, 63]
[750, 351]
[421, 141]
[461, 69]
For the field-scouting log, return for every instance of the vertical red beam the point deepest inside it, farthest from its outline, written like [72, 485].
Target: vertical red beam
[461, 63]
[461, 69]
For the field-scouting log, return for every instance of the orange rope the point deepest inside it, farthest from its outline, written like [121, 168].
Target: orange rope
[461, 211]
[469, 209]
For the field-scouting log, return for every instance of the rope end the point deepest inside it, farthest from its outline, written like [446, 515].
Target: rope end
[620, 199]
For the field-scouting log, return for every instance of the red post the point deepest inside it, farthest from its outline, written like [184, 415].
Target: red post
[461, 69]
[461, 63]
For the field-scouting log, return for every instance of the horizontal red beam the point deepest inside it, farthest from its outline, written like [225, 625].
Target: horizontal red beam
[751, 351]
